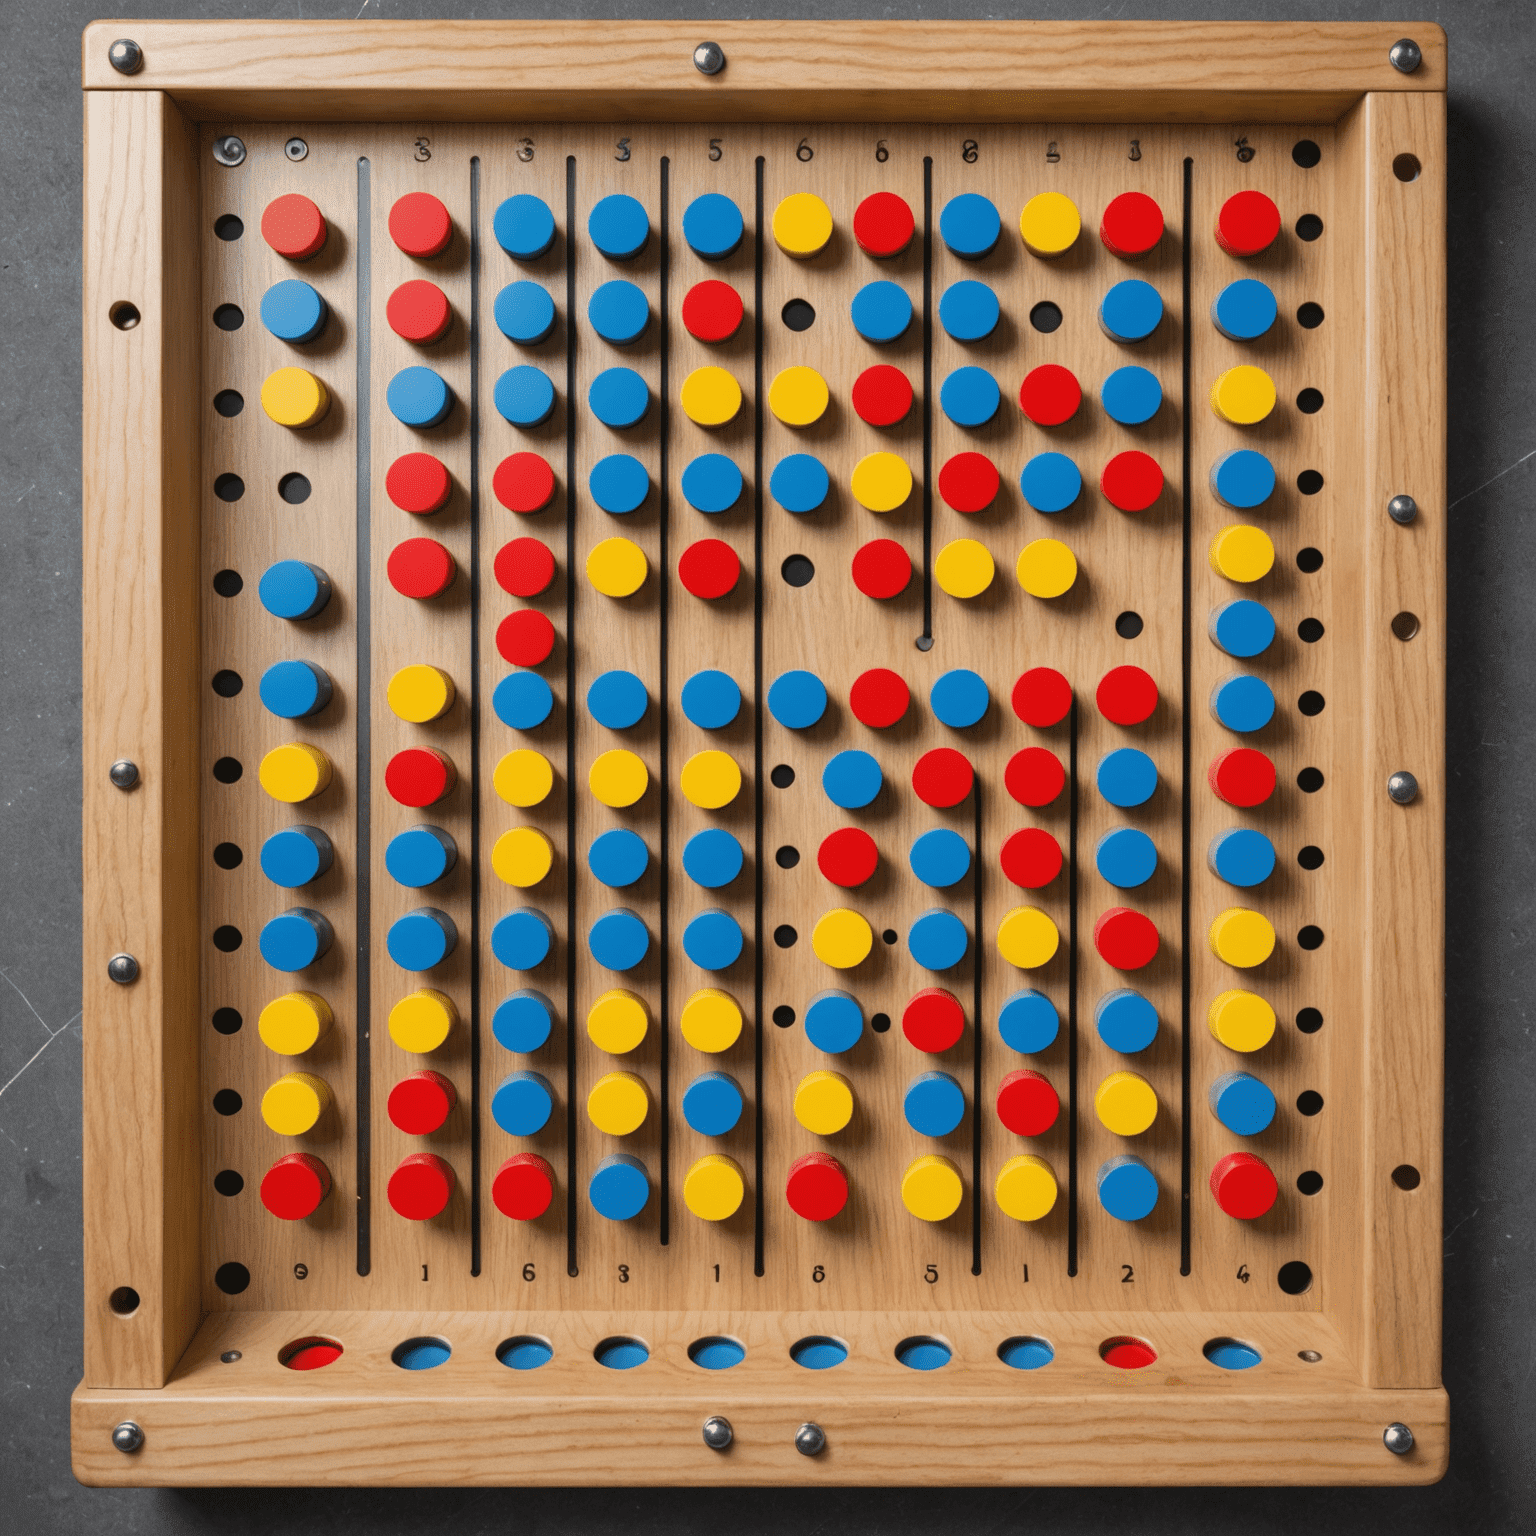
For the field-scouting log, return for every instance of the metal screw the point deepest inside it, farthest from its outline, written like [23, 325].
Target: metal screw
[124, 773]
[229, 150]
[125, 56]
[128, 1437]
[123, 969]
[1406, 56]
[1398, 1439]
[229, 1357]
[709, 58]
[296, 149]
[1402, 787]
[718, 1433]
[810, 1439]
[1402, 509]
[1311, 1356]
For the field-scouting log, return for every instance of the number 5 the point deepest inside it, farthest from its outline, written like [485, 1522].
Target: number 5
[714, 149]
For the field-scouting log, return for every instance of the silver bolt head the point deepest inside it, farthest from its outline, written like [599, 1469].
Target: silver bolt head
[1406, 56]
[124, 773]
[296, 149]
[123, 969]
[718, 1433]
[128, 1437]
[1402, 788]
[709, 58]
[229, 1356]
[1398, 1439]
[125, 56]
[810, 1439]
[229, 150]
[1402, 509]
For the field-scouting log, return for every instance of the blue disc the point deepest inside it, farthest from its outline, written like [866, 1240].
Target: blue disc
[933, 1104]
[293, 689]
[1241, 856]
[881, 311]
[712, 226]
[1131, 396]
[293, 311]
[797, 700]
[1126, 777]
[1232, 1354]
[619, 939]
[1127, 1188]
[711, 700]
[851, 779]
[712, 858]
[718, 1354]
[1126, 857]
[799, 483]
[525, 1353]
[618, 226]
[1242, 479]
[421, 939]
[938, 940]
[1243, 1104]
[970, 225]
[522, 700]
[619, 483]
[295, 938]
[1242, 627]
[418, 396]
[522, 939]
[420, 856]
[1025, 1354]
[1051, 482]
[1243, 703]
[522, 1103]
[619, 1188]
[619, 311]
[618, 857]
[818, 1354]
[617, 700]
[970, 397]
[524, 312]
[940, 858]
[524, 226]
[969, 310]
[524, 395]
[834, 1021]
[959, 698]
[712, 1104]
[713, 940]
[523, 1021]
[295, 856]
[1244, 310]
[1126, 1021]
[420, 1354]
[1029, 1022]
[1131, 310]
[925, 1354]
[619, 397]
[711, 483]
[294, 589]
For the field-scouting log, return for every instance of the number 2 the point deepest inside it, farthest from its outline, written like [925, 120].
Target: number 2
[1129, 1276]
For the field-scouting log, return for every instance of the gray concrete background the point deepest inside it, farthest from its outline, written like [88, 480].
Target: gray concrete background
[1490, 1266]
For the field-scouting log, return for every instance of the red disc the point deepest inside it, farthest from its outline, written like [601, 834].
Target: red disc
[1034, 776]
[881, 568]
[417, 482]
[817, 1188]
[1247, 224]
[1132, 481]
[1027, 1104]
[709, 568]
[1042, 697]
[882, 395]
[1031, 858]
[1125, 939]
[420, 568]
[712, 310]
[310, 1354]
[419, 224]
[1243, 776]
[418, 311]
[1127, 1354]
[419, 1104]
[1050, 395]
[1244, 1186]
[848, 856]
[419, 776]
[524, 482]
[523, 1187]
[883, 224]
[878, 698]
[1132, 224]
[969, 482]
[293, 226]
[942, 777]
[525, 567]
[933, 1021]
[420, 1187]
[295, 1185]
[525, 638]
[1126, 695]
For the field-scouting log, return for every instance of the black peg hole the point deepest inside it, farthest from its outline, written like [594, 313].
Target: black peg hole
[782, 776]
[229, 402]
[1309, 560]
[123, 315]
[227, 1102]
[1310, 630]
[889, 936]
[1311, 703]
[1309, 401]
[1310, 857]
[1046, 317]
[1406, 167]
[880, 1022]
[1309, 1020]
[228, 1183]
[1308, 227]
[227, 684]
[787, 857]
[1405, 625]
[1309, 1102]
[785, 936]
[227, 938]
[229, 226]
[227, 1020]
[227, 770]
[232, 1278]
[124, 1301]
[1310, 937]
[797, 570]
[228, 855]
[784, 1016]
[1128, 625]
[1295, 1278]
[798, 315]
[1309, 1182]
[229, 487]
[1309, 315]
[1305, 153]
[229, 317]
[293, 489]
[1309, 482]
[1406, 1176]
[1309, 780]
[228, 583]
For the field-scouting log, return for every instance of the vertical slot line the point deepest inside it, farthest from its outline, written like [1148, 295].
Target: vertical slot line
[662, 743]
[475, 1171]
[976, 1033]
[364, 768]
[1187, 658]
[925, 640]
[1072, 987]
[757, 713]
[570, 715]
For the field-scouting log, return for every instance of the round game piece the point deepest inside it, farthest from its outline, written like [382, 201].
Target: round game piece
[942, 777]
[799, 483]
[419, 396]
[710, 780]
[842, 939]
[1244, 395]
[523, 1021]
[419, 225]
[523, 482]
[619, 1103]
[851, 779]
[1126, 777]
[969, 482]
[1242, 553]
[619, 483]
[797, 700]
[823, 1102]
[1244, 1186]
[1029, 1022]
[711, 483]
[524, 226]
[420, 693]
[1031, 858]
[931, 1188]
[1125, 1103]
[1132, 481]
[711, 1021]
[617, 567]
[1244, 310]
[878, 699]
[419, 776]
[294, 227]
[881, 311]
[1128, 1191]
[618, 226]
[522, 940]
[1026, 1190]
[964, 568]
[522, 857]
[1242, 938]
[421, 939]
[1125, 939]
[711, 700]
[970, 397]
[294, 1103]
[295, 939]
[1243, 1104]
[420, 568]
[1242, 776]
[1241, 856]
[934, 1104]
[618, 857]
[420, 1103]
[882, 396]
[847, 857]
[710, 396]
[1046, 568]
[617, 778]
[1051, 482]
[525, 395]
[933, 1021]
[712, 311]
[524, 1187]
[714, 1187]
[970, 225]
[1242, 628]
[1130, 311]
[1026, 1103]
[798, 396]
[619, 397]
[619, 1187]
[1126, 1021]
[618, 1022]
[1248, 223]
[1050, 223]
[802, 224]
[709, 569]
[1027, 938]
[969, 310]
[293, 1187]
[420, 856]
[1126, 695]
[938, 940]
[959, 698]
[419, 483]
[1132, 224]
[619, 312]
[1241, 1021]
[294, 1023]
[293, 311]
[940, 858]
[294, 772]
[834, 1022]
[617, 700]
[292, 690]
[1050, 395]
[817, 1187]
[294, 397]
[712, 226]
[419, 311]
[1131, 396]
[1042, 697]
[523, 778]
[1242, 479]
[422, 1021]
[881, 569]
[1243, 704]
[524, 312]
[883, 224]
[1126, 857]
[619, 940]
[293, 589]
[524, 567]
[1034, 776]
[525, 638]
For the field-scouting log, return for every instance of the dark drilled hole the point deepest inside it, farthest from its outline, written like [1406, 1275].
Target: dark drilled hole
[229, 226]
[229, 487]
[227, 938]
[1309, 482]
[1305, 153]
[1309, 315]
[787, 857]
[1309, 401]
[1310, 937]
[229, 317]
[1309, 560]
[797, 570]
[1128, 625]
[1309, 1020]
[783, 1015]
[293, 489]
[1309, 1102]
[1310, 857]
[1310, 630]
[1309, 780]
[784, 936]
[880, 1022]
[798, 315]
[1309, 1182]
[227, 1020]
[228, 855]
[1311, 702]
[1405, 1176]
[782, 776]
[229, 402]
[227, 770]
[227, 684]
[228, 583]
[1308, 227]
[227, 1102]
[227, 1182]
[232, 1278]
[1046, 316]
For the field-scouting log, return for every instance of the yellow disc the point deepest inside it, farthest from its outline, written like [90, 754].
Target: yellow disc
[711, 1021]
[711, 779]
[292, 1023]
[714, 1187]
[1243, 395]
[1242, 553]
[1027, 938]
[294, 397]
[881, 482]
[618, 778]
[1046, 568]
[523, 777]
[1026, 1188]
[802, 224]
[964, 568]
[294, 772]
[798, 396]
[824, 1102]
[522, 857]
[618, 1103]
[1050, 223]
[617, 567]
[1243, 938]
[1126, 1103]
[1242, 1021]
[617, 1022]
[421, 1022]
[931, 1188]
[842, 938]
[420, 693]
[711, 396]
[294, 1103]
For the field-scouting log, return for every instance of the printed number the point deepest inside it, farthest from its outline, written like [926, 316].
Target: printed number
[423, 149]
[1135, 149]
[423, 1271]
[301, 1271]
[969, 150]
[1242, 1273]
[818, 1274]
[717, 1274]
[931, 1274]
[803, 150]
[1245, 150]
[1129, 1276]
[714, 149]
[1052, 153]
[882, 154]
[528, 1272]
[525, 150]
[622, 150]
[623, 1274]
[1026, 1274]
